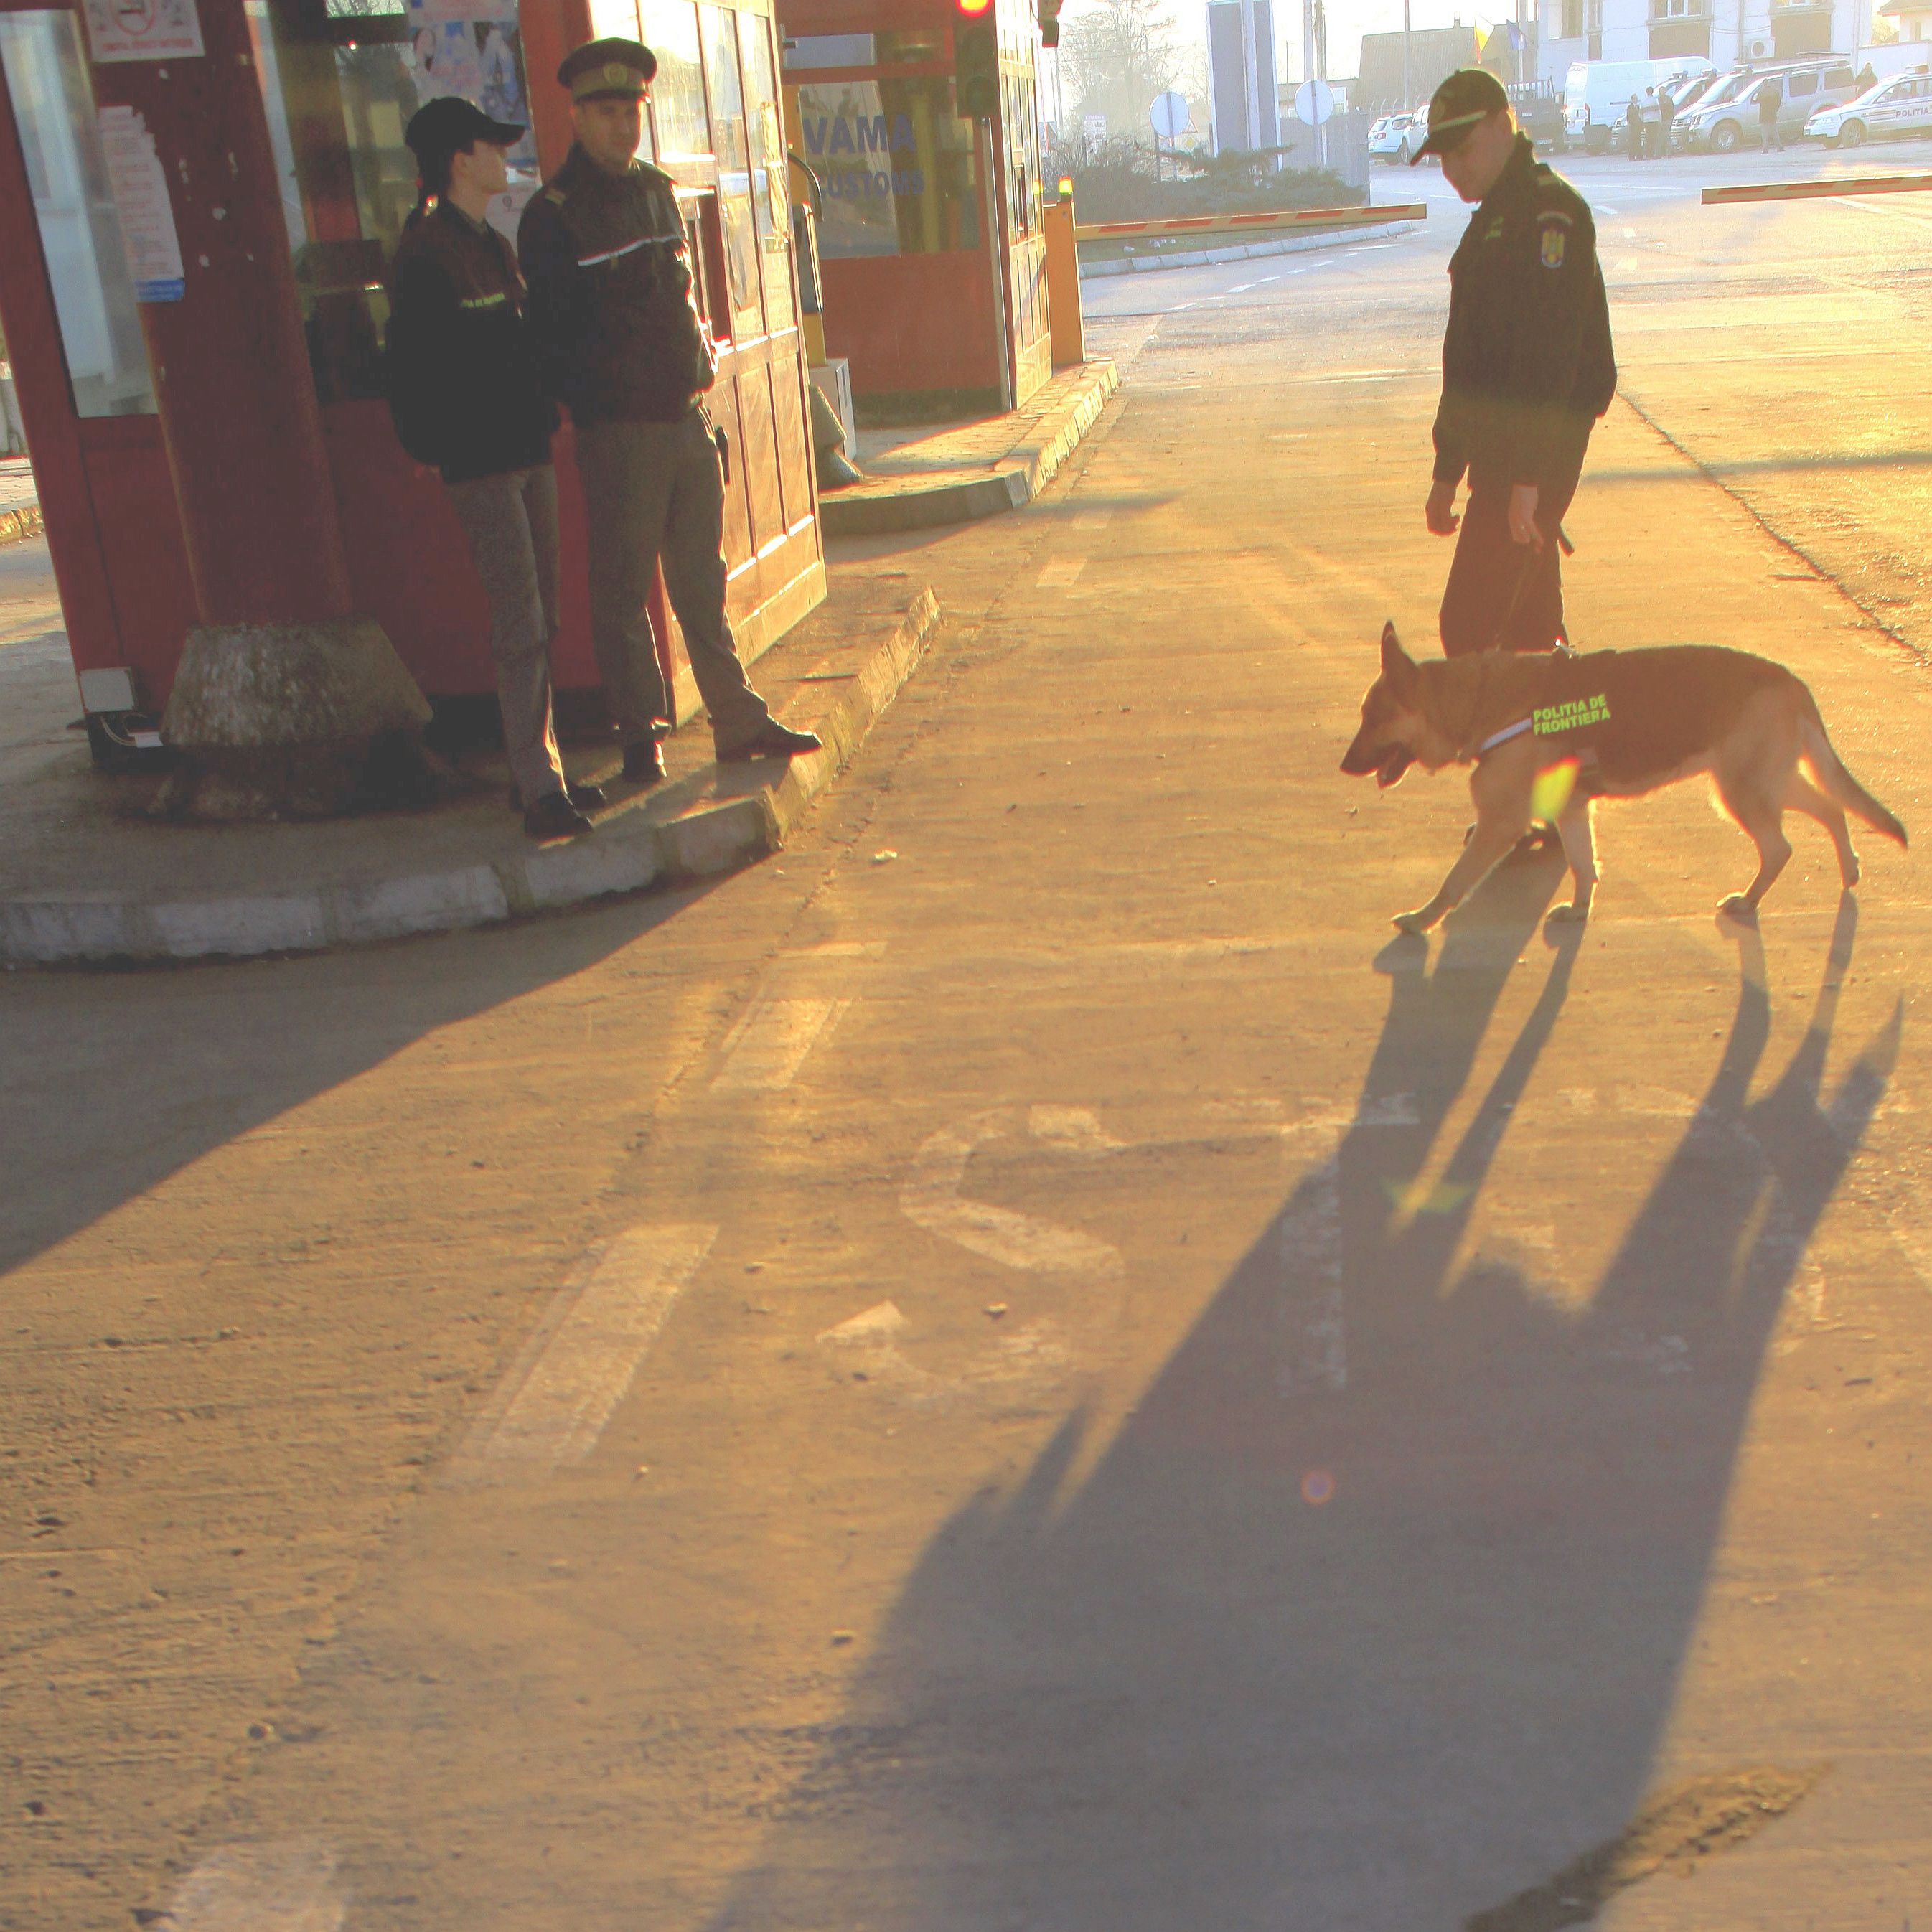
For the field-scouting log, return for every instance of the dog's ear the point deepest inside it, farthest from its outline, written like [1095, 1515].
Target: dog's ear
[1398, 667]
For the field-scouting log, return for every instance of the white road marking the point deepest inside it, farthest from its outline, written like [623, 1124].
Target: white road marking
[552, 1405]
[764, 1051]
[1076, 1128]
[879, 1323]
[1315, 1353]
[932, 1200]
[283, 1885]
[1062, 572]
[1239, 289]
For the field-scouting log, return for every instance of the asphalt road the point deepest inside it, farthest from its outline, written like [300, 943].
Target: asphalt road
[1024, 1365]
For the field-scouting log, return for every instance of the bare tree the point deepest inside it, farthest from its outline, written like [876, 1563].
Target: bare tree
[1116, 57]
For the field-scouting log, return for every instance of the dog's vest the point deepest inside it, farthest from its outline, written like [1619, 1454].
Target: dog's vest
[1626, 716]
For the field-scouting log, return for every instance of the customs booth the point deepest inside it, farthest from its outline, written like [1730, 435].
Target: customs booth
[931, 259]
[199, 200]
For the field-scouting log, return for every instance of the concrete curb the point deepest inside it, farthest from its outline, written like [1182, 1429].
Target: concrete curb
[886, 503]
[630, 852]
[1245, 251]
[16, 526]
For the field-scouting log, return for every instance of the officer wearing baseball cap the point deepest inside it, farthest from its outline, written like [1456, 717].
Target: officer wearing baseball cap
[1527, 369]
[466, 395]
[625, 349]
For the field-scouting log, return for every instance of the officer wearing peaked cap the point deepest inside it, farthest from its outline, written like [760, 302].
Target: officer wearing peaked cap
[1527, 369]
[624, 348]
[466, 395]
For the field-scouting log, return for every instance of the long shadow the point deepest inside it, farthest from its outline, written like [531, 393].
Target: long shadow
[114, 1081]
[1373, 1614]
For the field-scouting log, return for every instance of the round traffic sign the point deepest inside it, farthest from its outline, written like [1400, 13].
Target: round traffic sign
[1314, 102]
[1169, 114]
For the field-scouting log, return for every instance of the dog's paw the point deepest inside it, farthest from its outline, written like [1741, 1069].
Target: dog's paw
[1411, 923]
[1739, 907]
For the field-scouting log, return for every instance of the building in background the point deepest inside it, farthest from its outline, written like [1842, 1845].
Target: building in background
[1241, 80]
[1434, 53]
[1729, 33]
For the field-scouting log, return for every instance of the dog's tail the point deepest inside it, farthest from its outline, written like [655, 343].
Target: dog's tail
[1833, 778]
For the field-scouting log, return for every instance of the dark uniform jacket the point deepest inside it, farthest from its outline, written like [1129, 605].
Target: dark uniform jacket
[1527, 365]
[464, 390]
[611, 302]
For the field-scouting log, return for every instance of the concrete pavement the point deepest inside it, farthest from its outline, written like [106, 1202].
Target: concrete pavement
[1022, 1364]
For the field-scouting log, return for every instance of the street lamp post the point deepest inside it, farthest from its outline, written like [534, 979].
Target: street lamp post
[1408, 86]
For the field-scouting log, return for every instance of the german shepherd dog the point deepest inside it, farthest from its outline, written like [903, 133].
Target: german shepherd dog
[1550, 733]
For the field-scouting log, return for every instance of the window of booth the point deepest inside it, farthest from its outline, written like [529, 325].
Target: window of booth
[771, 201]
[718, 28]
[95, 297]
[1022, 156]
[895, 164]
[670, 30]
[340, 79]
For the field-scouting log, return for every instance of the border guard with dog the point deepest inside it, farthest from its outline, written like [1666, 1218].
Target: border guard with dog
[625, 351]
[1527, 370]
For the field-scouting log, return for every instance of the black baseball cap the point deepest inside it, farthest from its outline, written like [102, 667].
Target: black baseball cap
[608, 70]
[453, 126]
[1470, 95]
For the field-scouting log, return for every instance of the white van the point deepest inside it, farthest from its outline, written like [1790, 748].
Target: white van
[1597, 95]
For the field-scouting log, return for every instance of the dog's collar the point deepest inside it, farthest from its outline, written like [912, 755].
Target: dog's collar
[1503, 737]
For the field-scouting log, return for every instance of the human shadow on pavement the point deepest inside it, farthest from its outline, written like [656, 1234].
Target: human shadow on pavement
[1372, 1613]
[116, 1080]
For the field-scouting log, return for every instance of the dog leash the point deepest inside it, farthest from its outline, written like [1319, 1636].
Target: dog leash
[1530, 555]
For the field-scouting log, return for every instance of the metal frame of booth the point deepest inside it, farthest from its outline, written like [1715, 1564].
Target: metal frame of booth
[113, 522]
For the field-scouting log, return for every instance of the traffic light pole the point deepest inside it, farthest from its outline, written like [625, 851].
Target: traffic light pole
[990, 174]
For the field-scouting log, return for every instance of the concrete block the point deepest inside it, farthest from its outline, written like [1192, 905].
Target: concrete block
[422, 902]
[588, 869]
[720, 837]
[42, 932]
[194, 929]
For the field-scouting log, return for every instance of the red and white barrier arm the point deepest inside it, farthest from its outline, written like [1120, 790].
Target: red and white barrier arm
[1822, 191]
[1278, 219]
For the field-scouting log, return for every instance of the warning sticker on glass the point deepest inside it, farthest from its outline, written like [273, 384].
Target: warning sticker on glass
[139, 187]
[140, 30]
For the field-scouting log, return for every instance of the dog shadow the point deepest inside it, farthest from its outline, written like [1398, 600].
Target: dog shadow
[1373, 1612]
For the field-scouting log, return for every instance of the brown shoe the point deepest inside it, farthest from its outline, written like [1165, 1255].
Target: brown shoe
[772, 740]
[643, 761]
[553, 816]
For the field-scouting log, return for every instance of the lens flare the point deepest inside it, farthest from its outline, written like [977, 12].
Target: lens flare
[1317, 1487]
[1551, 792]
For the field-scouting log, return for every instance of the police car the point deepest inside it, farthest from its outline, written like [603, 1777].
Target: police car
[1901, 105]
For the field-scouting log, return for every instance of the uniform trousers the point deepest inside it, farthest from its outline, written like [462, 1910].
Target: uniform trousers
[1502, 595]
[511, 522]
[656, 490]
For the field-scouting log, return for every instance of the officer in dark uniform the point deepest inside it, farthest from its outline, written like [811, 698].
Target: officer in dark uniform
[1527, 369]
[624, 348]
[466, 396]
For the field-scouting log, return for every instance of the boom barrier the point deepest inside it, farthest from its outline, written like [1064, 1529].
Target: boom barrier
[1821, 191]
[1276, 221]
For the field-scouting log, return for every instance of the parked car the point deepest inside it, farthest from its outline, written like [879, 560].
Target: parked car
[1691, 88]
[1597, 94]
[1397, 136]
[1539, 113]
[1902, 105]
[1722, 126]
